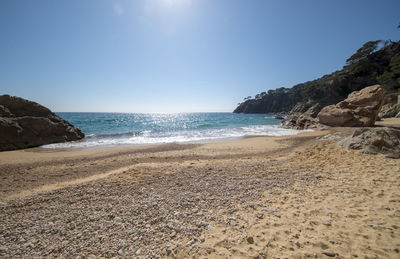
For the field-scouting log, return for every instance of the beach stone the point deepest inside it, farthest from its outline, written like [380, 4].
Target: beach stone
[260, 215]
[381, 140]
[250, 240]
[204, 224]
[359, 109]
[29, 244]
[25, 124]
[329, 253]
[327, 223]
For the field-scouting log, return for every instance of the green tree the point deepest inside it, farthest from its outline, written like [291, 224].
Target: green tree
[363, 52]
[395, 64]
[390, 80]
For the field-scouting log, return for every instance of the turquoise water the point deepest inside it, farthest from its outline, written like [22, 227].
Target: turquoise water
[110, 129]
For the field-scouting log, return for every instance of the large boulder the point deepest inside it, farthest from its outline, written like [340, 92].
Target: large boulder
[25, 124]
[382, 140]
[360, 109]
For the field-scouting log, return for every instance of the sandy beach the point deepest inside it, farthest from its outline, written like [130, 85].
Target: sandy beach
[259, 197]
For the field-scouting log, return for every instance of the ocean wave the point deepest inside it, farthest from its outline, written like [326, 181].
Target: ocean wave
[119, 135]
[149, 137]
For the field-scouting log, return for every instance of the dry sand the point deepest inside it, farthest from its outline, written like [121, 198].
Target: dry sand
[262, 197]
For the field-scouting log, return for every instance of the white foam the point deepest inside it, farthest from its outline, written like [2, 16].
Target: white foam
[178, 136]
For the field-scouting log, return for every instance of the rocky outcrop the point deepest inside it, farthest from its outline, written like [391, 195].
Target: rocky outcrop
[389, 110]
[360, 109]
[25, 124]
[375, 140]
[303, 116]
[307, 108]
[300, 122]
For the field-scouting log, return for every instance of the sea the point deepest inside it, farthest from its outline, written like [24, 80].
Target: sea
[114, 129]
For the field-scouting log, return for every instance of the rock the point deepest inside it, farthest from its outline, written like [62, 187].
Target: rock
[202, 238]
[360, 109]
[25, 124]
[303, 116]
[327, 223]
[279, 117]
[381, 140]
[204, 224]
[308, 108]
[260, 215]
[329, 253]
[5, 112]
[389, 110]
[250, 240]
[300, 122]
[29, 244]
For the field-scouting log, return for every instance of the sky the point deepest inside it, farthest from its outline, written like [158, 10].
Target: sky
[177, 55]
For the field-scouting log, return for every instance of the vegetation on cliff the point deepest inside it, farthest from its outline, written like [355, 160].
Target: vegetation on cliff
[376, 62]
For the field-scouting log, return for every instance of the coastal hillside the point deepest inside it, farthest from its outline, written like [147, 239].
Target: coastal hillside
[376, 62]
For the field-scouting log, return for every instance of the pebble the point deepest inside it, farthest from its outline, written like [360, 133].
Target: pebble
[327, 223]
[260, 215]
[250, 240]
[329, 253]
[204, 224]
[26, 245]
[120, 252]
[148, 235]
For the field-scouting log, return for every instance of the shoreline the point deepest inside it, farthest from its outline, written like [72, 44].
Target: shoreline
[289, 196]
[28, 154]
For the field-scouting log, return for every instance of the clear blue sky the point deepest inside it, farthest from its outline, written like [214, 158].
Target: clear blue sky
[177, 55]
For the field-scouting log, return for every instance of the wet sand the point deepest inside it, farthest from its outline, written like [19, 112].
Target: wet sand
[260, 197]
